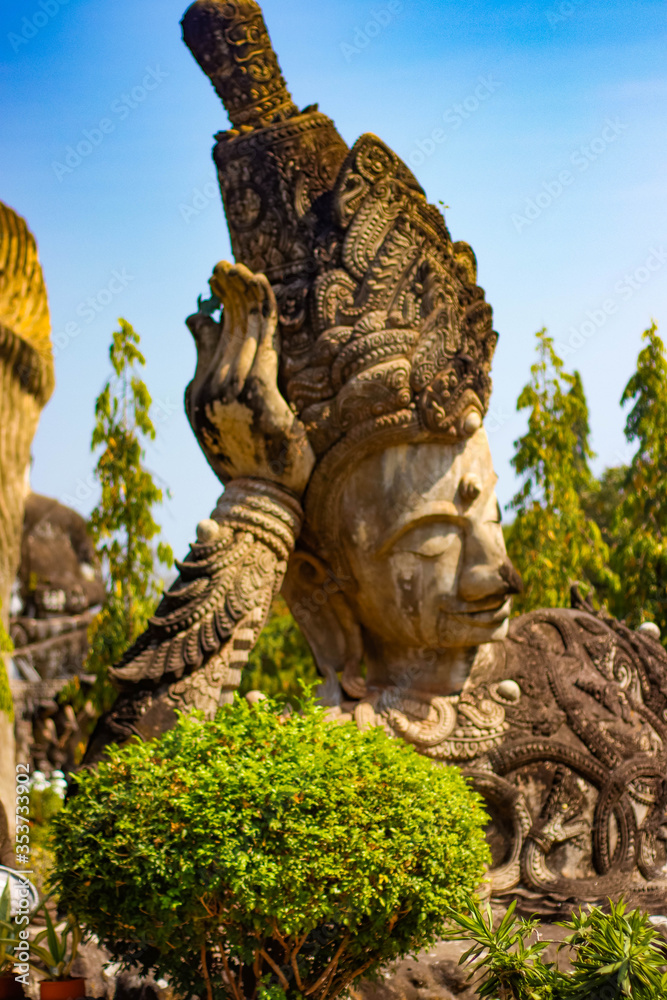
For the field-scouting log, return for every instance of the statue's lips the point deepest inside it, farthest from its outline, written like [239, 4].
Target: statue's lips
[488, 618]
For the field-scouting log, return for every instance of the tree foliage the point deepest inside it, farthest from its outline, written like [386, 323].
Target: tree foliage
[600, 502]
[552, 541]
[639, 525]
[267, 854]
[122, 525]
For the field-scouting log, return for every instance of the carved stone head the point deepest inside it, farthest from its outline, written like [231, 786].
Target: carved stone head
[386, 344]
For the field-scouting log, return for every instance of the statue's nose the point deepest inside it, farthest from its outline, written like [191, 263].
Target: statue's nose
[486, 580]
[487, 571]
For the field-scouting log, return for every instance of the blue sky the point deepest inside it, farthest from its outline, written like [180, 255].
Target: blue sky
[541, 126]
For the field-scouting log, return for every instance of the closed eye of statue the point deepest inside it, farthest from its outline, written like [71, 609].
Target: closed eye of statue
[430, 541]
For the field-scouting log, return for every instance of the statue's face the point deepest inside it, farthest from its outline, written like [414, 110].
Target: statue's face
[420, 526]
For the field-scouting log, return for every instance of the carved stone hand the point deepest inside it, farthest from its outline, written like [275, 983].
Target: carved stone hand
[196, 645]
[242, 422]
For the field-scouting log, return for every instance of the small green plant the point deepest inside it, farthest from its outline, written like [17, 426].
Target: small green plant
[511, 969]
[615, 955]
[264, 854]
[56, 949]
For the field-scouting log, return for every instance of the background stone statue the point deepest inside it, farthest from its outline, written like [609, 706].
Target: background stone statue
[58, 592]
[340, 399]
[26, 383]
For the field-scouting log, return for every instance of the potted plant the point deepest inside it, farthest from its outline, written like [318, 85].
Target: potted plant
[55, 949]
[261, 855]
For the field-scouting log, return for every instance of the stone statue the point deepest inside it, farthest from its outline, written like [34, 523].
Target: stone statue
[340, 398]
[26, 383]
[59, 591]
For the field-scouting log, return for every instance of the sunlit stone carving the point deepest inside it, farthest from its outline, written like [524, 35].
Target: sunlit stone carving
[341, 399]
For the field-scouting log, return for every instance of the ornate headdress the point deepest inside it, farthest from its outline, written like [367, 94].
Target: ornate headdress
[384, 333]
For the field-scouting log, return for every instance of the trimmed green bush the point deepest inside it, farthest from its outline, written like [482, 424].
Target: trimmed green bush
[260, 854]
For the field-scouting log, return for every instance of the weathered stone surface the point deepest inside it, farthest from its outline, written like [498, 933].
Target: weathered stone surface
[26, 382]
[432, 975]
[58, 591]
[59, 572]
[26, 378]
[196, 645]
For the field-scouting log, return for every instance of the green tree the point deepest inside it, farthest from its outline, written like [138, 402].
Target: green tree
[122, 525]
[551, 540]
[601, 501]
[640, 522]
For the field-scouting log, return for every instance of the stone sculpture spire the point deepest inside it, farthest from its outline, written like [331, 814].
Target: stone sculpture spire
[232, 45]
[277, 164]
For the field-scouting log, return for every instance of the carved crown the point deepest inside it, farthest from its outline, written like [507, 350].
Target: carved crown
[382, 324]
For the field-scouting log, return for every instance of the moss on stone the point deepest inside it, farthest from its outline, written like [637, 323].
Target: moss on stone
[6, 646]
[6, 700]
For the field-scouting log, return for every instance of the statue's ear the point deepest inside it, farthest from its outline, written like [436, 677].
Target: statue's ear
[316, 599]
